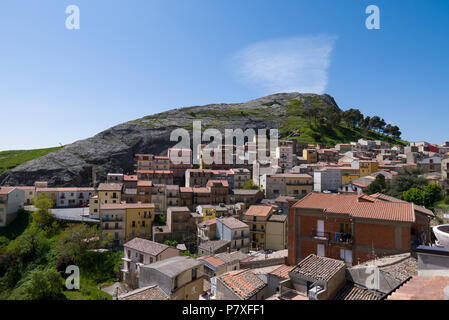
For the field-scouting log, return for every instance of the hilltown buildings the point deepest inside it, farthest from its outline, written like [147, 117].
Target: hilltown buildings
[307, 201]
[354, 228]
[11, 201]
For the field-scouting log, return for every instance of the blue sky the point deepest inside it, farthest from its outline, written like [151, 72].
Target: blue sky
[133, 58]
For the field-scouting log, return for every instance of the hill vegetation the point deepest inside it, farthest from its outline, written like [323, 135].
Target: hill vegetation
[35, 250]
[312, 121]
[13, 158]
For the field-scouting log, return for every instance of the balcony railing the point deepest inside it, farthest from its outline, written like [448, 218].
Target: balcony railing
[341, 237]
[333, 237]
[111, 219]
[320, 235]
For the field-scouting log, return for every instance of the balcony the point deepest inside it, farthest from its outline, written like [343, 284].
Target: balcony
[113, 228]
[341, 237]
[118, 219]
[333, 237]
[320, 235]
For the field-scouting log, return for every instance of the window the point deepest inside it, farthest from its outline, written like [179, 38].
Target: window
[194, 274]
[129, 253]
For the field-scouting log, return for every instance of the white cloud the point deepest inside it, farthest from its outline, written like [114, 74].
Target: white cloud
[286, 65]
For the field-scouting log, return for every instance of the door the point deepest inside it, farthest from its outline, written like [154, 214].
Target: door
[320, 228]
[320, 250]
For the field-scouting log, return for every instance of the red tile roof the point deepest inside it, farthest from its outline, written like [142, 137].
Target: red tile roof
[213, 261]
[143, 183]
[244, 283]
[146, 293]
[224, 183]
[384, 197]
[319, 268]
[6, 190]
[358, 206]
[146, 246]
[421, 288]
[130, 178]
[282, 271]
[259, 211]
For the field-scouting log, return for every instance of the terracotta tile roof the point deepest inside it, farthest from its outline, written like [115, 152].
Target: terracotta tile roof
[291, 175]
[318, 268]
[243, 283]
[259, 211]
[282, 271]
[364, 206]
[245, 192]
[110, 187]
[139, 205]
[214, 245]
[25, 187]
[278, 218]
[146, 293]
[213, 261]
[351, 291]
[146, 246]
[113, 206]
[124, 205]
[223, 183]
[155, 171]
[143, 183]
[201, 190]
[233, 223]
[6, 190]
[232, 257]
[65, 189]
[130, 177]
[385, 197]
[421, 288]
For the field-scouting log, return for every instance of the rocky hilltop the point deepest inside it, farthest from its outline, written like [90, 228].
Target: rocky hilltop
[113, 149]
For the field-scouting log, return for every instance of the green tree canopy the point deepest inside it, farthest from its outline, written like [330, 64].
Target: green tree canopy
[414, 195]
[42, 216]
[378, 185]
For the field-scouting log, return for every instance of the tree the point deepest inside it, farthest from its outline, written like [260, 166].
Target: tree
[171, 243]
[42, 216]
[395, 132]
[249, 185]
[378, 185]
[405, 181]
[44, 285]
[432, 194]
[80, 238]
[414, 195]
[353, 117]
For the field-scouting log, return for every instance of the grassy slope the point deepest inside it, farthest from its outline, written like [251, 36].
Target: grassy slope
[303, 130]
[13, 158]
[298, 128]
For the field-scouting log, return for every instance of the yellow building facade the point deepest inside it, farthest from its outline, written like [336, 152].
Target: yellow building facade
[368, 167]
[139, 220]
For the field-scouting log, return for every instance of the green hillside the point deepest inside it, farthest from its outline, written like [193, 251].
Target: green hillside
[12, 158]
[318, 123]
